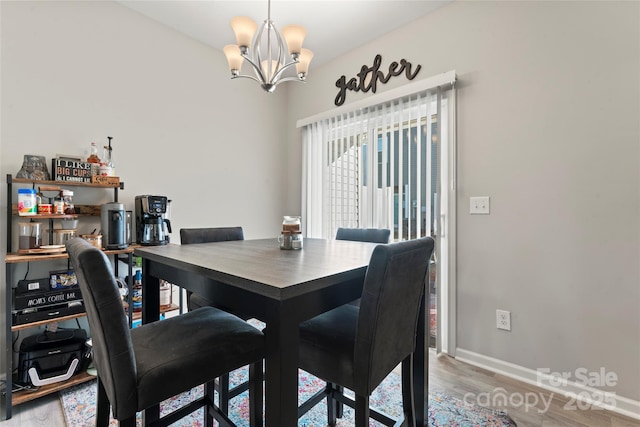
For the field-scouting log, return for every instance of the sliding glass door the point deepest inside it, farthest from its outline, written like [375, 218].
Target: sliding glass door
[387, 166]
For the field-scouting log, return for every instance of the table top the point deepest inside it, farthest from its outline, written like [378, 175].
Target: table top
[262, 267]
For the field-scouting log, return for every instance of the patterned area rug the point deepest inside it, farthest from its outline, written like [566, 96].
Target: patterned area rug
[79, 406]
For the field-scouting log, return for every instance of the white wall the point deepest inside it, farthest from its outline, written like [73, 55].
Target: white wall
[548, 127]
[75, 72]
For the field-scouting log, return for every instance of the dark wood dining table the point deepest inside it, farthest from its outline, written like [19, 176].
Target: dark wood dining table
[279, 287]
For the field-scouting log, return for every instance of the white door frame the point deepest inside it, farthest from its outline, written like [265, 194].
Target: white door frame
[446, 228]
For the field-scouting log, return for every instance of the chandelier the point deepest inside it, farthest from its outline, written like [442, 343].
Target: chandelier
[265, 50]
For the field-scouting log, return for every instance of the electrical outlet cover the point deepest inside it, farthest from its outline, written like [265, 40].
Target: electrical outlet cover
[503, 320]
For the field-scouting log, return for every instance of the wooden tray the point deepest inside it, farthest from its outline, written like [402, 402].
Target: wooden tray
[38, 251]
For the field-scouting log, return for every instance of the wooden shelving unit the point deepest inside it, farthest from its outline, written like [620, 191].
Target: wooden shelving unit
[14, 180]
[81, 210]
[14, 258]
[137, 315]
[16, 328]
[23, 396]
[10, 397]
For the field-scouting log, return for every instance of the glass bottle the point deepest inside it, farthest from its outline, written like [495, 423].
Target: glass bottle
[106, 166]
[109, 158]
[94, 159]
[136, 296]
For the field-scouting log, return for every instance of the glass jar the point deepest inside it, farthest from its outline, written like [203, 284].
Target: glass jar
[58, 204]
[296, 240]
[104, 169]
[285, 240]
[29, 235]
[67, 199]
[165, 294]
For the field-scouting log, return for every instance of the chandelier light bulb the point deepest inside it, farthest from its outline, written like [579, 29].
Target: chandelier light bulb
[294, 36]
[234, 58]
[244, 28]
[302, 67]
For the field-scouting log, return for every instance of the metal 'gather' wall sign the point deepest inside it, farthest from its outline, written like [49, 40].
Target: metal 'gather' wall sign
[369, 76]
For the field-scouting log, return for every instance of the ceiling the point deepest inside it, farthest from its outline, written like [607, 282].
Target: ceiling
[334, 27]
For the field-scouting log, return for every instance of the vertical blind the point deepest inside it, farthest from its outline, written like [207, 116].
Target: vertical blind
[373, 167]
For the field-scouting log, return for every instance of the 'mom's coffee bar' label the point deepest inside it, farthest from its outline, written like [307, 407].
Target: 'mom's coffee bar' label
[45, 299]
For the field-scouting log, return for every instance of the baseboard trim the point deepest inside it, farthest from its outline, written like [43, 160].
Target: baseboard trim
[570, 389]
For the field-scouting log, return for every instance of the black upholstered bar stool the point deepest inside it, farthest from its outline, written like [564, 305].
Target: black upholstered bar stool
[373, 235]
[357, 347]
[194, 301]
[139, 368]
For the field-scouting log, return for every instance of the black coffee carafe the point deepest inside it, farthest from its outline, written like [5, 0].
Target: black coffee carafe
[153, 230]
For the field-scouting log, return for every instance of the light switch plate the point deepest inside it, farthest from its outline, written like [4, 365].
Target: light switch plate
[479, 205]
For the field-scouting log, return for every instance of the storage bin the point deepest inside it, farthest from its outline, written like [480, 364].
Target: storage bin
[94, 239]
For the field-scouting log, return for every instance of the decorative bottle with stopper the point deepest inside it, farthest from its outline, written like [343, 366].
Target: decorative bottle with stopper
[107, 167]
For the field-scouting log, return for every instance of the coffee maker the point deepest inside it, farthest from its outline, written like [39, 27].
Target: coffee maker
[152, 227]
[113, 221]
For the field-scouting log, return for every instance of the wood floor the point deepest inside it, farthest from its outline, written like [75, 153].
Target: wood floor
[46, 411]
[462, 380]
[446, 375]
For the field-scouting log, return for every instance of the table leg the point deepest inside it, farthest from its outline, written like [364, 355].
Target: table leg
[150, 313]
[281, 385]
[150, 294]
